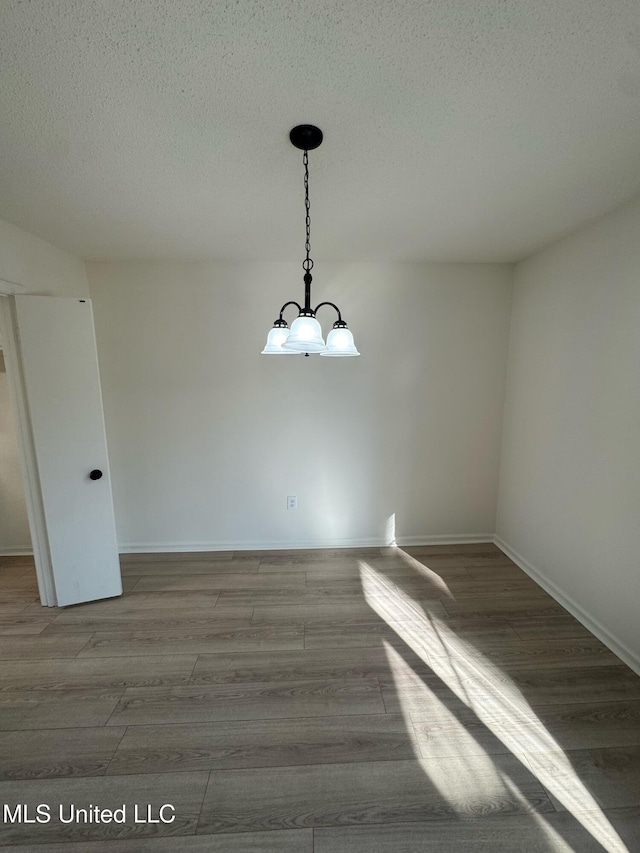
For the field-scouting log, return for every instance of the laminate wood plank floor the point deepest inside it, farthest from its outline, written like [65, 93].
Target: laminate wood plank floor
[318, 664]
[25, 647]
[34, 710]
[264, 743]
[11, 626]
[10, 608]
[341, 612]
[245, 582]
[191, 567]
[178, 556]
[49, 753]
[383, 700]
[158, 622]
[263, 701]
[171, 642]
[561, 833]
[287, 841]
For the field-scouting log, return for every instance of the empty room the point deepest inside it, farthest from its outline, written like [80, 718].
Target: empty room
[382, 597]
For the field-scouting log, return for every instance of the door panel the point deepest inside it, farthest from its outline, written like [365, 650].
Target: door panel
[60, 367]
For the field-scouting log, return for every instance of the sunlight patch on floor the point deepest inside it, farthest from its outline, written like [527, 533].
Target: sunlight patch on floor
[559, 845]
[456, 780]
[485, 690]
[413, 564]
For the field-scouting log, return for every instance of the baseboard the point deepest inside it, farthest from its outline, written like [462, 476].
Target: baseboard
[373, 542]
[592, 624]
[288, 545]
[447, 539]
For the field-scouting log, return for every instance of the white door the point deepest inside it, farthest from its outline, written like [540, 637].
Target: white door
[60, 370]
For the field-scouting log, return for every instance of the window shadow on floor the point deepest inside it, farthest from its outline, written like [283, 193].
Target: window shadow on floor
[479, 741]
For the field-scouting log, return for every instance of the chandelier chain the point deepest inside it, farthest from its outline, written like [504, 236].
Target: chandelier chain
[307, 264]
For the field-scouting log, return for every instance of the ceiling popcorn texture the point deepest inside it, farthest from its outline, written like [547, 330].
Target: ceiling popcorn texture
[475, 130]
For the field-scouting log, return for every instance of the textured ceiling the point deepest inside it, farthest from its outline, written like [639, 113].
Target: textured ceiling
[470, 130]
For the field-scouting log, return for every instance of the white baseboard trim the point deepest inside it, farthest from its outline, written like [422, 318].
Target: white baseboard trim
[373, 542]
[592, 624]
[195, 547]
[447, 539]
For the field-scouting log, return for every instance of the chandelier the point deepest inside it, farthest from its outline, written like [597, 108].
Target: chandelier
[305, 335]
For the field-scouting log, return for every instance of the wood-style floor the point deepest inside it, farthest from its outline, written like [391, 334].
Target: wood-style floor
[371, 701]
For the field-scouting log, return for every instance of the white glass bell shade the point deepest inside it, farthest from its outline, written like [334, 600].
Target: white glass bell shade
[276, 337]
[306, 336]
[340, 344]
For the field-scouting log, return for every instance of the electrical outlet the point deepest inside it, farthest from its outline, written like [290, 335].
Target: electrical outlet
[292, 502]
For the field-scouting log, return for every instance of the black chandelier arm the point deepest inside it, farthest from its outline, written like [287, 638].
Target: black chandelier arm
[331, 305]
[286, 305]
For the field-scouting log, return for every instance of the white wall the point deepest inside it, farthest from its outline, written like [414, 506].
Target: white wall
[207, 437]
[42, 269]
[570, 473]
[14, 525]
[37, 265]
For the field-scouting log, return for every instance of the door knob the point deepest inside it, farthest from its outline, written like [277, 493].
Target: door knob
[95, 474]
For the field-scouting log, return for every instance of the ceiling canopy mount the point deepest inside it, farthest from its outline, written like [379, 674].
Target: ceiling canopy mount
[306, 137]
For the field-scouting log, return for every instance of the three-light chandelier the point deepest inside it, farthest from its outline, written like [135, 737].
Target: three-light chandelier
[305, 335]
